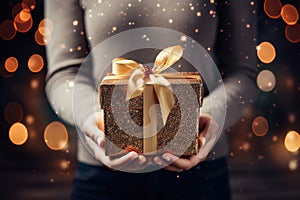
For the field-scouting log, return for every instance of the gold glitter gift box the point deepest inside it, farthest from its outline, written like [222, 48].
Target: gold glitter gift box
[150, 112]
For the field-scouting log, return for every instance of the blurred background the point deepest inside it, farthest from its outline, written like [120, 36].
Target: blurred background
[37, 150]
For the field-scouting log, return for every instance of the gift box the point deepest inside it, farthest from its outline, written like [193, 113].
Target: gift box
[148, 111]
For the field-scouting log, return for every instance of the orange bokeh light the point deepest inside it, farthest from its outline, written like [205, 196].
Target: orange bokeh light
[18, 133]
[25, 15]
[46, 24]
[35, 63]
[7, 30]
[23, 26]
[292, 33]
[266, 52]
[272, 8]
[34, 84]
[289, 14]
[41, 39]
[292, 141]
[56, 136]
[260, 126]
[13, 112]
[11, 64]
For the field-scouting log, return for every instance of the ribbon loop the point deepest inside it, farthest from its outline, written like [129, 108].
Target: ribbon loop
[140, 76]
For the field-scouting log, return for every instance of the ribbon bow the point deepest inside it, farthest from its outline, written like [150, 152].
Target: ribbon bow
[141, 75]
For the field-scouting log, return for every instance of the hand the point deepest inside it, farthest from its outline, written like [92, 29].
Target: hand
[207, 137]
[93, 128]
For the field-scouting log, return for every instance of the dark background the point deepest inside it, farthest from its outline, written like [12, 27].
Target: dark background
[259, 166]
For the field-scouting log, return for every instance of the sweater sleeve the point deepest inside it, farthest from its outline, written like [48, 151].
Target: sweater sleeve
[236, 55]
[65, 53]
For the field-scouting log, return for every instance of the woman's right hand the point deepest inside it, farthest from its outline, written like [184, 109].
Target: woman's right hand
[93, 130]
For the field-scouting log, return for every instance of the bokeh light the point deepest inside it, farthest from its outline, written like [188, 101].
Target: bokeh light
[11, 64]
[293, 165]
[7, 30]
[25, 15]
[35, 63]
[292, 141]
[289, 14]
[266, 81]
[45, 26]
[56, 136]
[64, 164]
[292, 33]
[34, 84]
[13, 112]
[272, 8]
[260, 126]
[18, 133]
[42, 39]
[29, 119]
[23, 26]
[266, 52]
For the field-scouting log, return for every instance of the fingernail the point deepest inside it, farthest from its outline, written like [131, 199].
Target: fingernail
[99, 140]
[166, 158]
[142, 158]
[203, 140]
[158, 162]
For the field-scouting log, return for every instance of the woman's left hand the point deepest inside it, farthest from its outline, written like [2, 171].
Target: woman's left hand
[207, 137]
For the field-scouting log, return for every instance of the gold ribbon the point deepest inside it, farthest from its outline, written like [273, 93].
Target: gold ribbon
[141, 76]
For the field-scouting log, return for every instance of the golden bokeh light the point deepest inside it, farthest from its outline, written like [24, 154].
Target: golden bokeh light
[292, 141]
[266, 52]
[29, 120]
[64, 164]
[34, 84]
[293, 165]
[18, 134]
[260, 126]
[42, 39]
[13, 112]
[272, 8]
[25, 15]
[44, 31]
[7, 30]
[11, 64]
[292, 33]
[289, 14]
[29, 3]
[266, 81]
[23, 26]
[56, 136]
[46, 24]
[35, 63]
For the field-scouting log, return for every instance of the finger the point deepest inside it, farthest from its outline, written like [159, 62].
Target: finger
[92, 130]
[201, 140]
[173, 168]
[135, 165]
[127, 158]
[141, 160]
[161, 162]
[182, 163]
